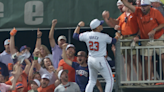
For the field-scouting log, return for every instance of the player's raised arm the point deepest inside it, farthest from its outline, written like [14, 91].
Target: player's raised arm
[77, 30]
[51, 34]
[130, 6]
[64, 56]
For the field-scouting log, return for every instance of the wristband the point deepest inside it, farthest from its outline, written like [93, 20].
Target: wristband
[78, 25]
[35, 58]
[38, 37]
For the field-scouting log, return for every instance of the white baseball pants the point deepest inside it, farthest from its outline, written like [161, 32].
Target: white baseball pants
[95, 65]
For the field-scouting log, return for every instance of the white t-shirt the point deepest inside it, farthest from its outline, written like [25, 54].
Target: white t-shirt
[96, 42]
[51, 75]
[49, 55]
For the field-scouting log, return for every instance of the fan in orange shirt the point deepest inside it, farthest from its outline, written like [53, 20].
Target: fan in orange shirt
[70, 51]
[151, 24]
[127, 24]
[23, 77]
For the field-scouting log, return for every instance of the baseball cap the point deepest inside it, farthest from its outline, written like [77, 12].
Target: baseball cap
[36, 81]
[62, 37]
[60, 72]
[145, 2]
[69, 46]
[45, 76]
[95, 23]
[155, 1]
[24, 47]
[119, 3]
[19, 85]
[7, 41]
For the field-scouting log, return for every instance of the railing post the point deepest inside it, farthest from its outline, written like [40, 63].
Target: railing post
[117, 65]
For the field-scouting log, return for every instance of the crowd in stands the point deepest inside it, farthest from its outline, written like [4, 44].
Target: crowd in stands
[63, 71]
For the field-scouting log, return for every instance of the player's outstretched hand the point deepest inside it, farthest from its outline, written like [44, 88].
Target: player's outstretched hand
[105, 14]
[54, 22]
[81, 23]
[39, 33]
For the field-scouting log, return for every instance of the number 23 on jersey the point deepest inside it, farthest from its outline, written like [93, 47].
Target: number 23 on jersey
[94, 46]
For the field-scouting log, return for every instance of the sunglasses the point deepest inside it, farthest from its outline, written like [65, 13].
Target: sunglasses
[126, 19]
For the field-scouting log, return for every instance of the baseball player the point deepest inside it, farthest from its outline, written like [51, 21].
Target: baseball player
[96, 43]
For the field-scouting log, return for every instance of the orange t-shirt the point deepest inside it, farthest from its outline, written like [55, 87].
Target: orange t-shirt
[148, 22]
[50, 88]
[24, 81]
[71, 71]
[128, 24]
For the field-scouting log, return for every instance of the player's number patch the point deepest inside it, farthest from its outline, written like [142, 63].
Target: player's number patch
[94, 46]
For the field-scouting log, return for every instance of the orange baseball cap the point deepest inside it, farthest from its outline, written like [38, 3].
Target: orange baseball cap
[19, 85]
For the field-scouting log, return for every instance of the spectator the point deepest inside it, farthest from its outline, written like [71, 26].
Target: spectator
[23, 77]
[158, 5]
[129, 29]
[138, 3]
[44, 67]
[43, 49]
[4, 73]
[82, 72]
[70, 51]
[20, 87]
[6, 88]
[5, 56]
[35, 84]
[56, 49]
[151, 23]
[65, 85]
[120, 6]
[44, 84]
[24, 50]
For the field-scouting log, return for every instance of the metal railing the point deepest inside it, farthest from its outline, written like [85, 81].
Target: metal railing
[122, 64]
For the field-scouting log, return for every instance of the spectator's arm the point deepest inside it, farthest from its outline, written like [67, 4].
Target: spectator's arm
[27, 67]
[109, 21]
[98, 84]
[36, 64]
[51, 34]
[12, 45]
[31, 71]
[16, 75]
[129, 5]
[38, 41]
[69, 62]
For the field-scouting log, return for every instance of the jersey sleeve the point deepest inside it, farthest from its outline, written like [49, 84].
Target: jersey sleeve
[83, 36]
[75, 65]
[108, 39]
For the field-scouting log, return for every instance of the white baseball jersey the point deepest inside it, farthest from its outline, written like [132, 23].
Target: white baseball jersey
[96, 42]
